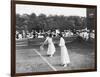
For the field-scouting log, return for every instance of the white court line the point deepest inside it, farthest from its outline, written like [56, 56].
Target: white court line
[45, 60]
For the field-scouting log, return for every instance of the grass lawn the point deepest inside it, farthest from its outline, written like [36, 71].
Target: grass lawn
[27, 60]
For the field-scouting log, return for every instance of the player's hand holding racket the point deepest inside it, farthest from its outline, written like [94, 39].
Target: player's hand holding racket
[41, 47]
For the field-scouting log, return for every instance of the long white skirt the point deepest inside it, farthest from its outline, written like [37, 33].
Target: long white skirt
[64, 55]
[51, 49]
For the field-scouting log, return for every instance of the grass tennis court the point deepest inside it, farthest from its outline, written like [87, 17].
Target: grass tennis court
[29, 57]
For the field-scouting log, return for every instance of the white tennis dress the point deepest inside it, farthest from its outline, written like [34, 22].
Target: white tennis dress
[51, 47]
[64, 52]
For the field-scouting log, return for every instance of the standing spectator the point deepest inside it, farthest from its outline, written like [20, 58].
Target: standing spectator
[17, 35]
[34, 34]
[23, 33]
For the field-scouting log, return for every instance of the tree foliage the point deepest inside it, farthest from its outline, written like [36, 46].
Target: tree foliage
[43, 22]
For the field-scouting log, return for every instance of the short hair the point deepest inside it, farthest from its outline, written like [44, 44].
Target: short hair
[50, 35]
[60, 35]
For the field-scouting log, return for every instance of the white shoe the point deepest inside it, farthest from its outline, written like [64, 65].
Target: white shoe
[65, 65]
[51, 55]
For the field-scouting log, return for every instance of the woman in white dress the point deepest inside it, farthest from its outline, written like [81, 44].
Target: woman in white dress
[65, 60]
[51, 47]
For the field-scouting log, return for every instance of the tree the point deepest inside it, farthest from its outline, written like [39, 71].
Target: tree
[32, 22]
[43, 22]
